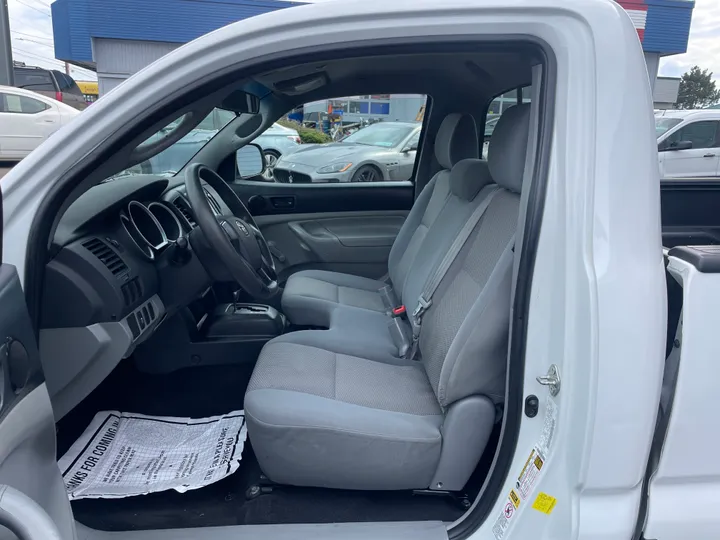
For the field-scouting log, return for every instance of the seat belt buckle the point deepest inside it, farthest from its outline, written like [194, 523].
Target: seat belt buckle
[399, 311]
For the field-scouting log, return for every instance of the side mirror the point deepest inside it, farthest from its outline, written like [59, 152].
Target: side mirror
[679, 145]
[250, 161]
[410, 148]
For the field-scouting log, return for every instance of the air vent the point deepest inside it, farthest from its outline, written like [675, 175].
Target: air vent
[217, 210]
[131, 291]
[107, 256]
[184, 208]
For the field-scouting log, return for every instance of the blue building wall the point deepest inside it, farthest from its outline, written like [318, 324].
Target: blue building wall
[668, 26]
[75, 22]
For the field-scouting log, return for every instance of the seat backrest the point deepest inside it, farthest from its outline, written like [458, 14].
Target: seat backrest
[463, 342]
[456, 140]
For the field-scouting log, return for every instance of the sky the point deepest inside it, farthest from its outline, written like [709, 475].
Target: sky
[31, 33]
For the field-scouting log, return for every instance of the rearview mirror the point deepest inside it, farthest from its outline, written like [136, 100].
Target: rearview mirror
[679, 145]
[250, 161]
[240, 102]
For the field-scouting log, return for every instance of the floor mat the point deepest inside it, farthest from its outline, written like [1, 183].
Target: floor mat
[207, 391]
[127, 454]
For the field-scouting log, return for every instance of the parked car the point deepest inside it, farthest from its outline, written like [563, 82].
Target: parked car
[276, 141]
[688, 143]
[380, 152]
[27, 119]
[51, 83]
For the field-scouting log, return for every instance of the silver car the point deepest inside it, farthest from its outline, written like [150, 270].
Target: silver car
[380, 152]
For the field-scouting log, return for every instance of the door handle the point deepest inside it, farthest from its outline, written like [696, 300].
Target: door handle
[709, 155]
[282, 203]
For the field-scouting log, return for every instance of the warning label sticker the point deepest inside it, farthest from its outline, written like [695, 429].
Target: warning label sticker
[544, 503]
[529, 473]
[529, 476]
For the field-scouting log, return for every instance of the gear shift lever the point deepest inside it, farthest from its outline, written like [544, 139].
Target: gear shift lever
[236, 299]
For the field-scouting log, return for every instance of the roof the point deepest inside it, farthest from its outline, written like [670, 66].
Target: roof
[688, 113]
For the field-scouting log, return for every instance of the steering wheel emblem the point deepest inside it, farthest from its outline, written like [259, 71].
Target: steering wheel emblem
[242, 227]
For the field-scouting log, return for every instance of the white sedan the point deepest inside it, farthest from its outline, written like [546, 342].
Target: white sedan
[27, 119]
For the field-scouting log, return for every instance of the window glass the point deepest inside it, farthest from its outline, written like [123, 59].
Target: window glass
[346, 139]
[496, 109]
[172, 159]
[36, 80]
[12, 103]
[662, 125]
[700, 134]
[64, 82]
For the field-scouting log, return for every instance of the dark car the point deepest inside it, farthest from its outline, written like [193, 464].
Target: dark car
[51, 83]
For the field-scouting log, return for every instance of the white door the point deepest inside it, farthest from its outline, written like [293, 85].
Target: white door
[25, 122]
[701, 159]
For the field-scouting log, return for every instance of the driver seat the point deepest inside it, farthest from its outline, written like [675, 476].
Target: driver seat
[312, 297]
[318, 416]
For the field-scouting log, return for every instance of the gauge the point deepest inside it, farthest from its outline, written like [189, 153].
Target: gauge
[136, 237]
[147, 226]
[167, 220]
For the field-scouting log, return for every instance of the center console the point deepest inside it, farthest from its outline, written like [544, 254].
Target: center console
[253, 321]
[209, 333]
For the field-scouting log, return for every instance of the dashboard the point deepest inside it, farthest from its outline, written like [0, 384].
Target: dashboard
[112, 256]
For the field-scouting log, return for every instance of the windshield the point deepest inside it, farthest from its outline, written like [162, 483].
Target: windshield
[382, 135]
[175, 157]
[663, 124]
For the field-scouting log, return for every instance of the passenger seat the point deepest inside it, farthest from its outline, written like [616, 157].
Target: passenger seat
[312, 296]
[321, 416]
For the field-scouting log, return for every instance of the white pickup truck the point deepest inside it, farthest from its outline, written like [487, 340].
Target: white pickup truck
[497, 349]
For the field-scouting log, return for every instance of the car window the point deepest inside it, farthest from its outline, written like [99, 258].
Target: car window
[345, 139]
[70, 86]
[700, 134]
[12, 103]
[497, 108]
[172, 159]
[664, 124]
[62, 80]
[37, 80]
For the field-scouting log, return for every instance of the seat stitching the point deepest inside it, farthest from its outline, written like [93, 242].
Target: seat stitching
[349, 431]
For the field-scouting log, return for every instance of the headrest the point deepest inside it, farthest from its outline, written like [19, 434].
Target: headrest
[508, 146]
[468, 177]
[456, 139]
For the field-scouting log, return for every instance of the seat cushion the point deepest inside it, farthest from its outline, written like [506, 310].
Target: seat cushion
[310, 296]
[320, 418]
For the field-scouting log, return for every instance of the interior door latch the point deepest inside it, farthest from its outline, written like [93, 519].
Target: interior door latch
[552, 380]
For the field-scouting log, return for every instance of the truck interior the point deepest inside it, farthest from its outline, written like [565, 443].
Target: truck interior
[353, 414]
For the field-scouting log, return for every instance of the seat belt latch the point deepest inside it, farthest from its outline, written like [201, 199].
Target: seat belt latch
[422, 306]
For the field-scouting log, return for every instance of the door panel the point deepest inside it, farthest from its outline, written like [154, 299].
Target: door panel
[270, 198]
[27, 426]
[346, 228]
[351, 242]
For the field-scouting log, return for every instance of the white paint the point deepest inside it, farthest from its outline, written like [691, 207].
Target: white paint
[685, 488]
[598, 294]
[703, 161]
[21, 131]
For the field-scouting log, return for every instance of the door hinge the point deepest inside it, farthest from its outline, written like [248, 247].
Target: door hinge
[552, 379]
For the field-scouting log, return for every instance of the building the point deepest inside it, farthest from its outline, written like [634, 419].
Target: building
[118, 39]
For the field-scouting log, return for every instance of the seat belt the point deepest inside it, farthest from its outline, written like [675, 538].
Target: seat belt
[431, 285]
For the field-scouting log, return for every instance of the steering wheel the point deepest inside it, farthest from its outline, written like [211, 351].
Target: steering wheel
[235, 238]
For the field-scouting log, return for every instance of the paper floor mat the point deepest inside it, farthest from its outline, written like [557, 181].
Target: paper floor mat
[123, 454]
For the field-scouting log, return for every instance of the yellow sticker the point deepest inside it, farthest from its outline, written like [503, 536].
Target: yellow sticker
[544, 503]
[515, 498]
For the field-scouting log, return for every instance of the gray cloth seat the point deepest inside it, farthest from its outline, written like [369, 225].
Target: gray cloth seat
[320, 414]
[311, 296]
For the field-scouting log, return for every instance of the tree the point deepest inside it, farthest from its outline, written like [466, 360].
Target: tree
[697, 89]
